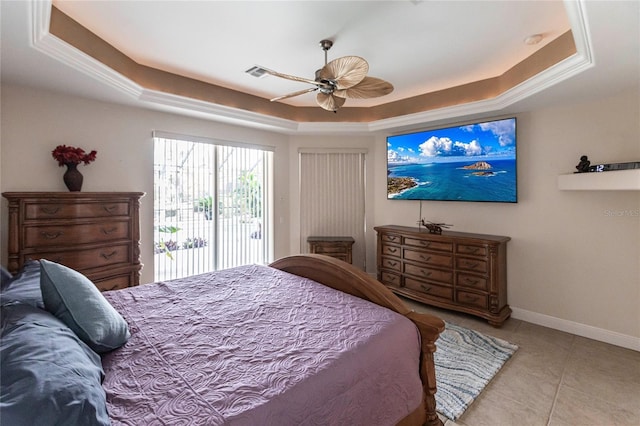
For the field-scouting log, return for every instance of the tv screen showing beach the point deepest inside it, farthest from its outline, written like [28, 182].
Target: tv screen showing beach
[474, 162]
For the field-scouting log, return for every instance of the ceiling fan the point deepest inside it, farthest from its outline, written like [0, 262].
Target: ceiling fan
[342, 78]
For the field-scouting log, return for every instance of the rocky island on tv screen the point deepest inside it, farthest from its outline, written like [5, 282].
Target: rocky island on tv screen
[474, 162]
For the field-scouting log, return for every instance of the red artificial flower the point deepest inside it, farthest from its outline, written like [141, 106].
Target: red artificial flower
[71, 155]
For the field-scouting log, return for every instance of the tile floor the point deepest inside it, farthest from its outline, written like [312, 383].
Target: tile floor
[554, 379]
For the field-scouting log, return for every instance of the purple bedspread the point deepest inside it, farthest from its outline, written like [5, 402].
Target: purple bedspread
[257, 346]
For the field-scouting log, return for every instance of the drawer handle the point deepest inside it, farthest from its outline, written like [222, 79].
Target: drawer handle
[472, 250]
[50, 210]
[392, 263]
[425, 258]
[425, 288]
[425, 273]
[109, 209]
[392, 250]
[470, 281]
[471, 265]
[393, 239]
[109, 231]
[471, 298]
[425, 243]
[107, 256]
[51, 235]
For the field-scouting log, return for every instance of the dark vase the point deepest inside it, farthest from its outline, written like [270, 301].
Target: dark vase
[73, 178]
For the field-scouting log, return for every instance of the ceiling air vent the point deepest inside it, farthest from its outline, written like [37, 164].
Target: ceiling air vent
[256, 71]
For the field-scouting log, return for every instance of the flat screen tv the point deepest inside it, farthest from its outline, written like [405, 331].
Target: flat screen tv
[474, 162]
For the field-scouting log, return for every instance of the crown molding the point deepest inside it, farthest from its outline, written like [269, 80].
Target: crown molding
[46, 43]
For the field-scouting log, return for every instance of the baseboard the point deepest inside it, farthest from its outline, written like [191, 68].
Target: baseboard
[578, 329]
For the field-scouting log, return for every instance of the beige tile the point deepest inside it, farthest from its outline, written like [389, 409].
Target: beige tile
[492, 409]
[515, 382]
[575, 407]
[534, 334]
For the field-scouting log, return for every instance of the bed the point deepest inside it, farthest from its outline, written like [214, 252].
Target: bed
[250, 345]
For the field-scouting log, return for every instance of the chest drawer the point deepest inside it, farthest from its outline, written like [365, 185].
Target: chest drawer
[75, 211]
[55, 235]
[428, 258]
[88, 258]
[391, 238]
[475, 265]
[428, 273]
[429, 244]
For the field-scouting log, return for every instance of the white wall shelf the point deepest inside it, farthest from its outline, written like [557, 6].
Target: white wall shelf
[615, 180]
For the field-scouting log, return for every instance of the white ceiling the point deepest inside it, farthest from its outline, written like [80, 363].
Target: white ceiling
[418, 46]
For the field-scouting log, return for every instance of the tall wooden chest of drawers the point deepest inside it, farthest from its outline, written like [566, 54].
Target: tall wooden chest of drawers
[456, 270]
[95, 233]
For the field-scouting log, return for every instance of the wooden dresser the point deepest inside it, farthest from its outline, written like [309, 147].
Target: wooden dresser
[338, 247]
[95, 233]
[456, 270]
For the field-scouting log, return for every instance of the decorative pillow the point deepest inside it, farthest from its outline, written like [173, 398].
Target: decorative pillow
[47, 374]
[75, 300]
[24, 286]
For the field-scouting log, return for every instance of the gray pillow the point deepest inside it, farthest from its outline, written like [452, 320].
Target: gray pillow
[24, 286]
[75, 300]
[48, 375]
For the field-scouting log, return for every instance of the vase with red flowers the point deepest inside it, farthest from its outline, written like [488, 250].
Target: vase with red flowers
[70, 156]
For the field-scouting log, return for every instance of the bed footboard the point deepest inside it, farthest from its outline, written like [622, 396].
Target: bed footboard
[349, 279]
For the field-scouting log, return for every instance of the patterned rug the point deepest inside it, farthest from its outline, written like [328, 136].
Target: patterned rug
[465, 363]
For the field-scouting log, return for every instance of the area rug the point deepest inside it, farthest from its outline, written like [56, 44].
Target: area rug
[465, 363]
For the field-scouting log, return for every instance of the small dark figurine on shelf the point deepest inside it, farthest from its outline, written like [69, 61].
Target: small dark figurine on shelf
[583, 165]
[434, 228]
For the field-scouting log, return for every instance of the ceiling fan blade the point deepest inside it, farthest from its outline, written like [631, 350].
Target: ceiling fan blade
[369, 87]
[289, 77]
[329, 102]
[291, 95]
[346, 71]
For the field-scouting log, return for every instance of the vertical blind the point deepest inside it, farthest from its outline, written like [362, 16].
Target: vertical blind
[212, 206]
[332, 198]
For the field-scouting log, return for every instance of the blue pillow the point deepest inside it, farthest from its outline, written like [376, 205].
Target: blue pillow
[24, 286]
[75, 300]
[5, 277]
[47, 374]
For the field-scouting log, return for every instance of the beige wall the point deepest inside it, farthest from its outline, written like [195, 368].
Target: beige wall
[574, 255]
[34, 122]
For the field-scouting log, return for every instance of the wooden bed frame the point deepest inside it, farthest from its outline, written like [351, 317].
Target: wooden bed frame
[342, 276]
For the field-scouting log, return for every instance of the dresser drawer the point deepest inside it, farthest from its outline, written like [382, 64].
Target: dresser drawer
[390, 279]
[389, 250]
[473, 250]
[429, 289]
[429, 258]
[475, 265]
[429, 244]
[428, 273]
[472, 281]
[472, 299]
[48, 236]
[75, 210]
[391, 263]
[391, 238]
[88, 258]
